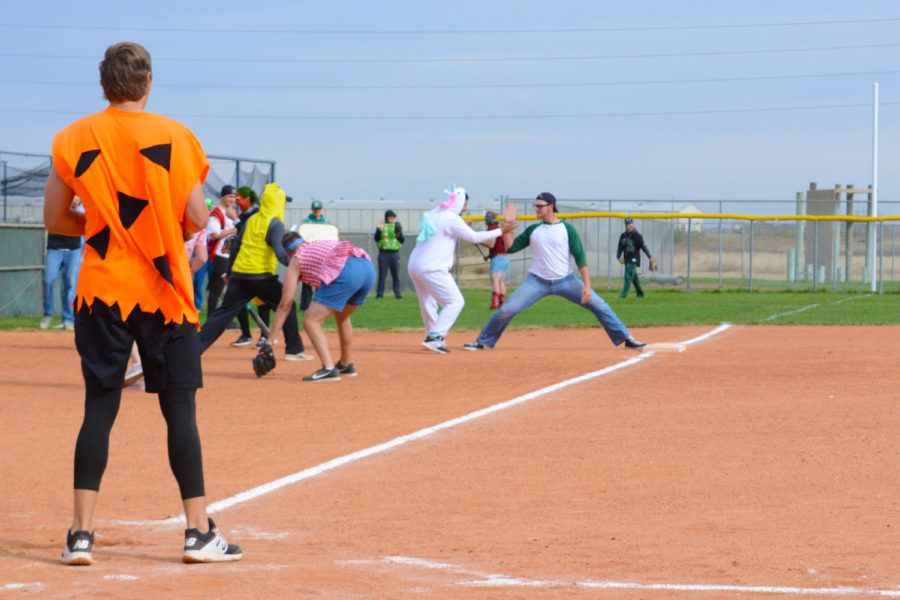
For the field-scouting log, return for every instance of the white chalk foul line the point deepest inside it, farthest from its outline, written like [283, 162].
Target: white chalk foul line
[405, 439]
[799, 310]
[497, 580]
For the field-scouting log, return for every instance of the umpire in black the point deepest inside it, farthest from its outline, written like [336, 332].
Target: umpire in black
[629, 253]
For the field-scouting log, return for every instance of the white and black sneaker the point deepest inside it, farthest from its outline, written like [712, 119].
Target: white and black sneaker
[208, 547]
[324, 374]
[261, 341]
[473, 346]
[244, 340]
[345, 370]
[634, 344]
[436, 344]
[79, 548]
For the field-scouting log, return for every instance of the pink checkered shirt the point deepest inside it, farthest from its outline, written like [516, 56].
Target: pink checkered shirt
[322, 261]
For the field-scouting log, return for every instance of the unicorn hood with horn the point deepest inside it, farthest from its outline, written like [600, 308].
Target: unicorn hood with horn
[432, 259]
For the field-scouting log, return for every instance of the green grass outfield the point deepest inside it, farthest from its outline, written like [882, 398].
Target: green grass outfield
[660, 307]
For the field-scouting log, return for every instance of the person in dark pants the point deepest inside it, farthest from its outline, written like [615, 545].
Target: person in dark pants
[248, 204]
[256, 252]
[389, 236]
[629, 253]
[134, 285]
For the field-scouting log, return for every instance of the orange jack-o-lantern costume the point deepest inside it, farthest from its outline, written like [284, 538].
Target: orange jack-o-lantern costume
[134, 172]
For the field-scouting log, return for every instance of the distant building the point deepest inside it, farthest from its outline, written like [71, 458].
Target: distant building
[695, 224]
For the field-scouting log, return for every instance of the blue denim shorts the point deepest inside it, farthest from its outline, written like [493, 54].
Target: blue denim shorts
[499, 263]
[350, 287]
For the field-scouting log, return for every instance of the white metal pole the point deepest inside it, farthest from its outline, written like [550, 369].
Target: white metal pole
[872, 228]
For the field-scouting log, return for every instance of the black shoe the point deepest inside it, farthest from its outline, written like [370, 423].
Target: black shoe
[473, 346]
[324, 374]
[398, 297]
[208, 547]
[634, 344]
[261, 342]
[244, 340]
[345, 370]
[79, 549]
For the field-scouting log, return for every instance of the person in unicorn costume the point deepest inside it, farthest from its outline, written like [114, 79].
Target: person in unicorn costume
[432, 258]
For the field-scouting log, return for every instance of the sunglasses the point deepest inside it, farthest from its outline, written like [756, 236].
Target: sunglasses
[539, 206]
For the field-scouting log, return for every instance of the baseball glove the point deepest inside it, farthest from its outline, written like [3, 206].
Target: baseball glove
[264, 361]
[653, 265]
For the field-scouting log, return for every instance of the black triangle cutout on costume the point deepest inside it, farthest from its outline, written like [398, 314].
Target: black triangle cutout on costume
[85, 161]
[130, 209]
[159, 154]
[162, 265]
[100, 241]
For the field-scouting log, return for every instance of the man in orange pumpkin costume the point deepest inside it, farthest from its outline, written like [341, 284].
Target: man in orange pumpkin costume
[140, 177]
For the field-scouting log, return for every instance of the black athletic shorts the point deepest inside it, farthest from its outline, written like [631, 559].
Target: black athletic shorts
[170, 353]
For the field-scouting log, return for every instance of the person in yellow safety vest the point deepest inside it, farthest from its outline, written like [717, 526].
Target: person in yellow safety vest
[389, 236]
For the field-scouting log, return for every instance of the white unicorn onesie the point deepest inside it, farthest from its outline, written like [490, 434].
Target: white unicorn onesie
[431, 261]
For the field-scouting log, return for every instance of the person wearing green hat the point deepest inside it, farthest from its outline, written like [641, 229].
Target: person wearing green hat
[316, 216]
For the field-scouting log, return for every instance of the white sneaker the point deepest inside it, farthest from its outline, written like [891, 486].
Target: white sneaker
[79, 548]
[45, 322]
[208, 547]
[435, 343]
[298, 356]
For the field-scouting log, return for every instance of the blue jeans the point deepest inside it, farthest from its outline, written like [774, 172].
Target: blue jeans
[533, 289]
[65, 263]
[200, 284]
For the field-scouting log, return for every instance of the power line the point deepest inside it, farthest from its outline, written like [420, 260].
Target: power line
[487, 31]
[461, 86]
[473, 59]
[723, 111]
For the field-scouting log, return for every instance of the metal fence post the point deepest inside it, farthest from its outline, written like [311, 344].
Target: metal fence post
[720, 243]
[800, 257]
[836, 238]
[4, 188]
[816, 257]
[609, 254]
[752, 223]
[689, 254]
[880, 258]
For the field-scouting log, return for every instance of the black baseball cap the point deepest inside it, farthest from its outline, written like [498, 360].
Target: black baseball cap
[628, 220]
[389, 213]
[228, 189]
[548, 198]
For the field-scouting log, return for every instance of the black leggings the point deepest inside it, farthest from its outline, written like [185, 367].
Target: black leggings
[101, 405]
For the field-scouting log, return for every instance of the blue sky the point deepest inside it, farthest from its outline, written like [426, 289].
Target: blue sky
[635, 100]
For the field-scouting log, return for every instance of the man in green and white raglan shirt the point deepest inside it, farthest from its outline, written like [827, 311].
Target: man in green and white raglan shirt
[552, 241]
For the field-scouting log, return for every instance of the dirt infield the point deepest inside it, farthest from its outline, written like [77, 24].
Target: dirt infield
[761, 462]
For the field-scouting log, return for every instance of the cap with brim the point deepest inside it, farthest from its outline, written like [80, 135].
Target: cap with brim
[227, 190]
[316, 205]
[389, 213]
[548, 198]
[628, 220]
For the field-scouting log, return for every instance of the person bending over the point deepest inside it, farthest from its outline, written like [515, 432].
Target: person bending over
[344, 275]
